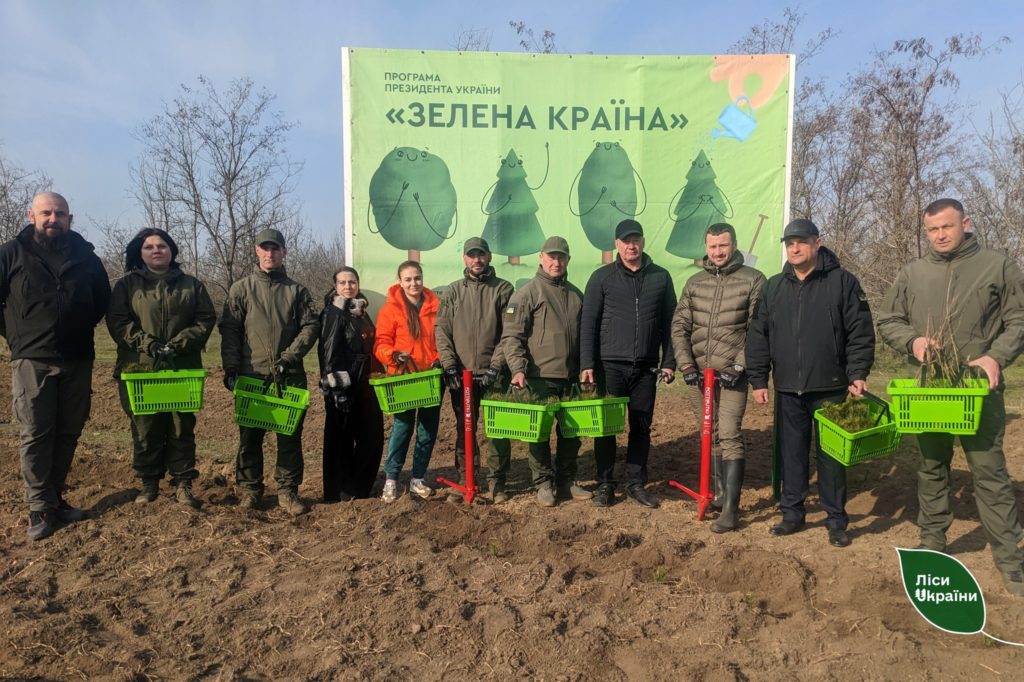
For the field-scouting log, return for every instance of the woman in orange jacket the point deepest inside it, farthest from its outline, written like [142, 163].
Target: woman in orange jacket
[405, 336]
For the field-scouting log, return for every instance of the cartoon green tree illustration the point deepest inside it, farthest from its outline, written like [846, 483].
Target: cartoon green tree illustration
[512, 228]
[413, 200]
[701, 205]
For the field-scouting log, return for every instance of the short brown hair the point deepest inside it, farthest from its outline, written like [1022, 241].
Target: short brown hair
[940, 205]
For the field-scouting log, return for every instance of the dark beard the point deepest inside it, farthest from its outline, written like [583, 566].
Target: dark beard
[50, 243]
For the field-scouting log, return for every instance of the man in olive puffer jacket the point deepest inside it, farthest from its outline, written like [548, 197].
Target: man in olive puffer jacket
[709, 331]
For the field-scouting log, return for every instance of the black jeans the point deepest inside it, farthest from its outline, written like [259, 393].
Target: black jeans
[639, 383]
[796, 419]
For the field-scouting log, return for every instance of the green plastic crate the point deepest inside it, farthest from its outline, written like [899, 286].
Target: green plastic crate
[860, 446]
[518, 421]
[943, 410]
[165, 390]
[593, 418]
[258, 405]
[403, 392]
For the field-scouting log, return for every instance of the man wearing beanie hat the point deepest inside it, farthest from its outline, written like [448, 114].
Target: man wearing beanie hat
[813, 332]
[467, 333]
[541, 344]
[625, 340]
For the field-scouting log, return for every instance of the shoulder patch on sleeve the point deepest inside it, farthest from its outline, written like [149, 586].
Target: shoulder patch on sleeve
[510, 309]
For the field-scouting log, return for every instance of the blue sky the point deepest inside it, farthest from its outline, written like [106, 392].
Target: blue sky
[78, 77]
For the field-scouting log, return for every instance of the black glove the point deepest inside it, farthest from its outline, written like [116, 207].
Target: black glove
[229, 380]
[453, 379]
[730, 376]
[398, 358]
[691, 375]
[436, 364]
[489, 378]
[280, 369]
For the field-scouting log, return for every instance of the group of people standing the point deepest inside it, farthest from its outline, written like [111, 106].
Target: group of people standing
[809, 328]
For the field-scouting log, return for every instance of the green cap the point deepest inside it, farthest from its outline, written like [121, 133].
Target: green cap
[272, 236]
[555, 245]
[475, 244]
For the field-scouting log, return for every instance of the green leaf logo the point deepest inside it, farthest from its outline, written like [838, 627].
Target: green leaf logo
[942, 590]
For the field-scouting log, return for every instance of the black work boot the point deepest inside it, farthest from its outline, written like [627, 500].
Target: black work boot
[717, 480]
[149, 491]
[184, 495]
[732, 473]
[605, 496]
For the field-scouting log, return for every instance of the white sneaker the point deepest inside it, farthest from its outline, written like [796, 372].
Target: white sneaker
[419, 488]
[390, 492]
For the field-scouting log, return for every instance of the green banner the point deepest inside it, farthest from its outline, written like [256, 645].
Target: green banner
[443, 146]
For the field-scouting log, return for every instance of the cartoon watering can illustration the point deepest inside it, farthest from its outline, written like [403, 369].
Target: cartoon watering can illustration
[736, 122]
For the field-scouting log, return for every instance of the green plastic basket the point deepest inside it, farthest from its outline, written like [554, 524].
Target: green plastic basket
[165, 391]
[944, 410]
[593, 418]
[403, 392]
[518, 421]
[259, 405]
[860, 446]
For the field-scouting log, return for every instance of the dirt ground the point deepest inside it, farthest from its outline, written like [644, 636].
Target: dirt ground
[435, 590]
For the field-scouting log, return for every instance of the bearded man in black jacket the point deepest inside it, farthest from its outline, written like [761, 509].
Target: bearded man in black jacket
[813, 332]
[53, 291]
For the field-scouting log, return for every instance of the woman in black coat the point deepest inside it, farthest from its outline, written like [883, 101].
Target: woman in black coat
[354, 427]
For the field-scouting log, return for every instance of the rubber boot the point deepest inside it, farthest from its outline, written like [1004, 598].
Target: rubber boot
[732, 473]
[717, 480]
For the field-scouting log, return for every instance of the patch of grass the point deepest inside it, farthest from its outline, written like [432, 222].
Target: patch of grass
[660, 574]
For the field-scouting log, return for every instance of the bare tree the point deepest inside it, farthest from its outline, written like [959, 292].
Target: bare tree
[214, 172]
[17, 187]
[545, 44]
[314, 262]
[472, 40]
[993, 187]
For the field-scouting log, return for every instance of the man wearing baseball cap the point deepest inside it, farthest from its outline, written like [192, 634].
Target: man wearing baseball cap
[813, 332]
[625, 340]
[268, 325]
[467, 333]
[541, 344]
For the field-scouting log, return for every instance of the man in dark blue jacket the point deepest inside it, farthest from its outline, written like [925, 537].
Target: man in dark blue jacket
[53, 290]
[625, 338]
[813, 332]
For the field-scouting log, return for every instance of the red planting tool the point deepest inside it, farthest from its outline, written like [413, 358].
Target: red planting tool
[470, 489]
[705, 496]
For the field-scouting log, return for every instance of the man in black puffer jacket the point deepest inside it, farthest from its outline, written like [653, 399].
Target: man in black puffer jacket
[625, 337]
[53, 291]
[813, 332]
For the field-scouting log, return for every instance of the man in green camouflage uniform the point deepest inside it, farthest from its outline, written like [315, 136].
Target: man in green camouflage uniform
[541, 344]
[269, 324]
[467, 333]
[966, 301]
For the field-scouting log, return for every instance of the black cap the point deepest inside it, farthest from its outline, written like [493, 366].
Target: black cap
[628, 227]
[800, 228]
[272, 236]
